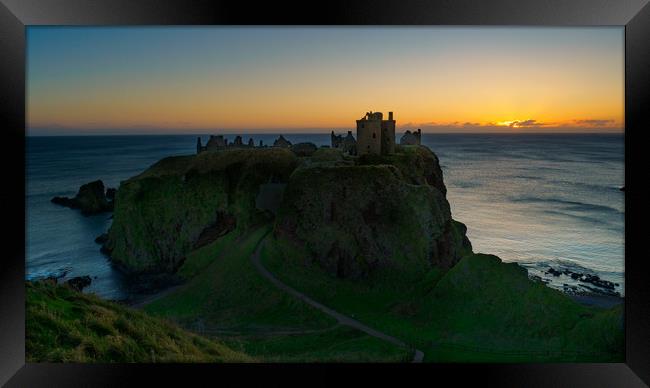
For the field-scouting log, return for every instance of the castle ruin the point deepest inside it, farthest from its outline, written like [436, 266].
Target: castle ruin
[374, 136]
[411, 138]
[219, 142]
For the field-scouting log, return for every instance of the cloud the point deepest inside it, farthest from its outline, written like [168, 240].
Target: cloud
[594, 122]
[526, 123]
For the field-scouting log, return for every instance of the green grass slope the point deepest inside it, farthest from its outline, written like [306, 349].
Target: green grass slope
[63, 325]
[224, 295]
[480, 310]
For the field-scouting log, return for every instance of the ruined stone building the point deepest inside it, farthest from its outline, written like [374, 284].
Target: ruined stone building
[281, 142]
[411, 138]
[348, 144]
[238, 141]
[374, 136]
[219, 142]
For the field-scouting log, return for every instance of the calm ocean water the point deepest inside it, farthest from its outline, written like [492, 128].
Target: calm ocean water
[538, 200]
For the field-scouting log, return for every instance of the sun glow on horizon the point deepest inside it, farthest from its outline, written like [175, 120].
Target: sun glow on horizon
[148, 80]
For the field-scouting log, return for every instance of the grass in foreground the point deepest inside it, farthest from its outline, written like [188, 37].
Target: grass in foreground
[338, 344]
[63, 325]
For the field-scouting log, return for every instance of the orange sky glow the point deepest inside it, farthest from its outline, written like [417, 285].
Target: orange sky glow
[252, 80]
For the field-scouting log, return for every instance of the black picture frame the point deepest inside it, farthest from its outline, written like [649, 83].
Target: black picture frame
[15, 15]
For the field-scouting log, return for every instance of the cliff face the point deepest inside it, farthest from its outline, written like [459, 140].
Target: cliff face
[181, 202]
[353, 214]
[385, 211]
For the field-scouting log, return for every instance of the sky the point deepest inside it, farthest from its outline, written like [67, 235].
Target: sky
[151, 80]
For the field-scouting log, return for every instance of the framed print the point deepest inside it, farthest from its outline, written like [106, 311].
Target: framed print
[376, 189]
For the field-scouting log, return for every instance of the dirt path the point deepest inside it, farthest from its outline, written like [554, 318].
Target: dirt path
[263, 333]
[145, 300]
[342, 319]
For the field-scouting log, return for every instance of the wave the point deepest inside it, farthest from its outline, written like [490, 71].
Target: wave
[466, 184]
[569, 205]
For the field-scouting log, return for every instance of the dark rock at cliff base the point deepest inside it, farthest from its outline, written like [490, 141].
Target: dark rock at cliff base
[554, 272]
[110, 193]
[622, 188]
[79, 283]
[90, 199]
[64, 201]
[102, 238]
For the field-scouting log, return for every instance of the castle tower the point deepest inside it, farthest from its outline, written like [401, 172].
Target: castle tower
[388, 135]
[376, 135]
[369, 129]
[199, 147]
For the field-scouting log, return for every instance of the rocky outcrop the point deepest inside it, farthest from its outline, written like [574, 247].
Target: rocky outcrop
[384, 212]
[90, 199]
[102, 238]
[354, 214]
[78, 283]
[182, 202]
[598, 285]
[418, 165]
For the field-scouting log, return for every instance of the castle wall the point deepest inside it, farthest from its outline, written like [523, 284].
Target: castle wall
[368, 137]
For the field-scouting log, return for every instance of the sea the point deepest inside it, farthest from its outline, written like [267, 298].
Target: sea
[540, 200]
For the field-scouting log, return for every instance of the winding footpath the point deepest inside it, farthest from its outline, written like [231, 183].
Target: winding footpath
[342, 319]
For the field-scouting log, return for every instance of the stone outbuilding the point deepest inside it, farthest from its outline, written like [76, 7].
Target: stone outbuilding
[411, 138]
[281, 142]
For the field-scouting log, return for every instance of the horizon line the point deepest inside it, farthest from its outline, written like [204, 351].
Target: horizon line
[618, 132]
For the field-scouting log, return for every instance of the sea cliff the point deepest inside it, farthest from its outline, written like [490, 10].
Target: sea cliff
[354, 214]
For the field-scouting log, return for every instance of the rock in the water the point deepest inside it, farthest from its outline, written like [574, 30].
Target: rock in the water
[90, 199]
[622, 188]
[553, 272]
[79, 283]
[102, 238]
[64, 201]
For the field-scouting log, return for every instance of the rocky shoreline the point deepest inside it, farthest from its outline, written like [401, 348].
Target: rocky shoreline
[588, 284]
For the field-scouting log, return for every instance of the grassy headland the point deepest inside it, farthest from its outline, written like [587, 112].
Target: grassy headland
[371, 237]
